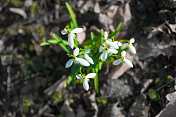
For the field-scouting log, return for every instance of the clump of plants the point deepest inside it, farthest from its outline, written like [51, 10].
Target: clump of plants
[86, 60]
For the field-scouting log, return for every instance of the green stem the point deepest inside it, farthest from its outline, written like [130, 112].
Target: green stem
[96, 82]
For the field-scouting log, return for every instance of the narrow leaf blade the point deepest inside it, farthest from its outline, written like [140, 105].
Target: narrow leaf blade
[61, 43]
[48, 42]
[70, 10]
[114, 34]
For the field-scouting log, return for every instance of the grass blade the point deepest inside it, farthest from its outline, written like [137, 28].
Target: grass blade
[48, 42]
[114, 34]
[61, 43]
[70, 10]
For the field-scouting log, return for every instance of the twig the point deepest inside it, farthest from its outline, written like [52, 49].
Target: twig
[8, 79]
[165, 85]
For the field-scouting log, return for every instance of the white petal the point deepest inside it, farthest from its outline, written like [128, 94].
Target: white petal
[114, 51]
[104, 56]
[76, 52]
[89, 59]
[117, 62]
[69, 63]
[85, 84]
[119, 44]
[132, 49]
[123, 53]
[112, 44]
[124, 45]
[70, 40]
[101, 48]
[64, 32]
[87, 51]
[82, 61]
[132, 40]
[90, 75]
[105, 34]
[128, 62]
[77, 30]
[109, 39]
[81, 56]
[79, 76]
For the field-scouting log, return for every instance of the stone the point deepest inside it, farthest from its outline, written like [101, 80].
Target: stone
[114, 89]
[112, 111]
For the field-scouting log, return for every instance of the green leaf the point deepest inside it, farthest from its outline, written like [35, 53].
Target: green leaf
[61, 43]
[152, 94]
[102, 35]
[48, 42]
[114, 34]
[70, 10]
[73, 69]
[93, 41]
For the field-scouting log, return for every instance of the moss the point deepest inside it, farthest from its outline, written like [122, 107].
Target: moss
[26, 103]
[102, 101]
[16, 3]
[34, 8]
[40, 31]
[57, 97]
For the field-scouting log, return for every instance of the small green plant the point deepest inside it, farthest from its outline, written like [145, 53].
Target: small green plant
[34, 8]
[153, 95]
[40, 31]
[16, 3]
[57, 97]
[102, 101]
[86, 60]
[26, 104]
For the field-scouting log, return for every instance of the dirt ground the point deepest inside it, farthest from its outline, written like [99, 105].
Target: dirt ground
[32, 77]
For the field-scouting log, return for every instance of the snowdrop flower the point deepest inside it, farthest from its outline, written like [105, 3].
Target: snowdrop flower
[108, 50]
[105, 35]
[85, 79]
[124, 59]
[109, 41]
[130, 45]
[87, 57]
[71, 35]
[76, 59]
[108, 47]
[118, 43]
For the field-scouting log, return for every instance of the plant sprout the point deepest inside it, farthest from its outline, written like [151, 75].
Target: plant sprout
[92, 54]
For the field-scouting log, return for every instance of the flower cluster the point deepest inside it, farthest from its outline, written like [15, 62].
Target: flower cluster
[108, 48]
[93, 52]
[84, 59]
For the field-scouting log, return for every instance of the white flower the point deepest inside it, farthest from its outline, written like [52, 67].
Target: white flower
[71, 35]
[124, 59]
[76, 60]
[87, 57]
[108, 47]
[107, 51]
[109, 41]
[118, 43]
[85, 79]
[106, 35]
[130, 45]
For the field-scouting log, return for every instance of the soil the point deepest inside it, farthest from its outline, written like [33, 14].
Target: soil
[33, 76]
